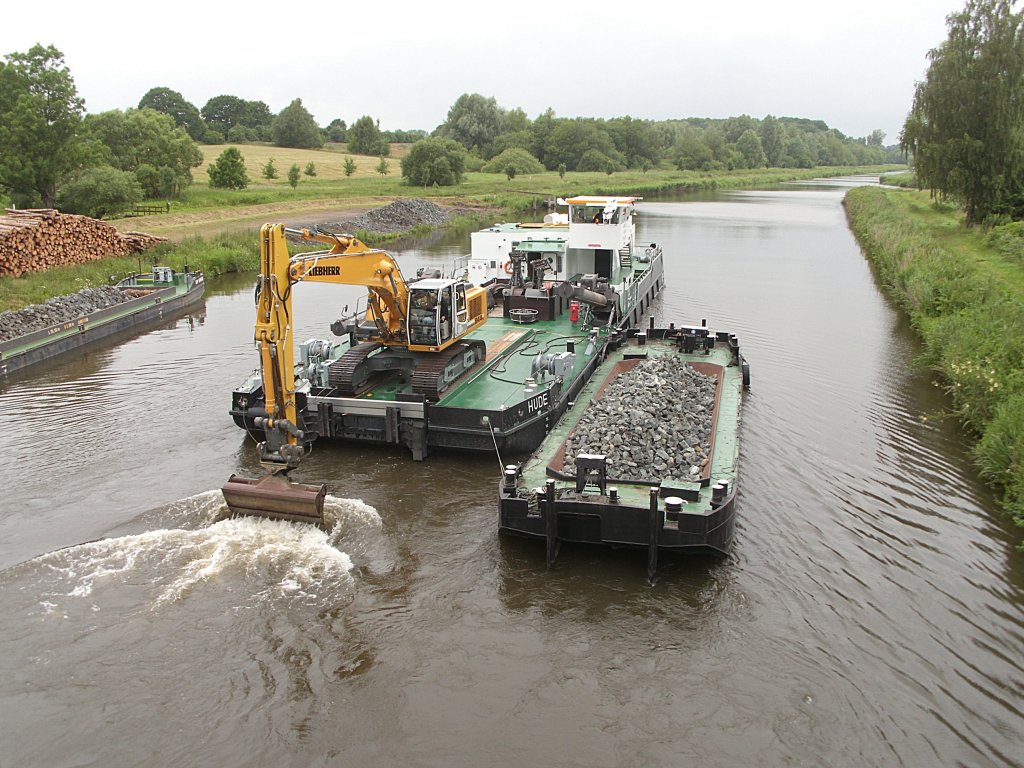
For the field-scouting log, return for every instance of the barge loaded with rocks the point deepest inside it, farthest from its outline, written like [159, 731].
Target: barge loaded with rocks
[646, 457]
[68, 323]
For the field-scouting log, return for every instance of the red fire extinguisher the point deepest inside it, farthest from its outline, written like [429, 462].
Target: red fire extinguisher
[574, 311]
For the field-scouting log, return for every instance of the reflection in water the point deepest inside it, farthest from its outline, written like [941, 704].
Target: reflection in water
[868, 615]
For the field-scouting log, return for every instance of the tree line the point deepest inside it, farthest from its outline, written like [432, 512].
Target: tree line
[53, 153]
[965, 130]
[234, 120]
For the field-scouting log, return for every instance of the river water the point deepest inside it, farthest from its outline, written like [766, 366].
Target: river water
[869, 614]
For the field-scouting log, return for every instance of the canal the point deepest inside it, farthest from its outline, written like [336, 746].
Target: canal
[869, 614]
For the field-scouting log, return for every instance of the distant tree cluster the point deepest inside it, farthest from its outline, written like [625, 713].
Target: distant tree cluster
[237, 121]
[965, 131]
[403, 137]
[96, 164]
[499, 141]
[148, 144]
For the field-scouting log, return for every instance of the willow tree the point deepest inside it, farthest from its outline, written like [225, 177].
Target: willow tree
[964, 130]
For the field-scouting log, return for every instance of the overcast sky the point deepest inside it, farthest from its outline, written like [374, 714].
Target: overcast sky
[851, 64]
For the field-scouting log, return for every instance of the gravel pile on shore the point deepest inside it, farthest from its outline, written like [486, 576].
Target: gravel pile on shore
[652, 423]
[399, 216]
[60, 309]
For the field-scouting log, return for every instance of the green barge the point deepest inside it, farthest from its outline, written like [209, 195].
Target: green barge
[153, 297]
[601, 489]
[487, 359]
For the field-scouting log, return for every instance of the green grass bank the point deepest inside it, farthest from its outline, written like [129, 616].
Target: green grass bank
[963, 290]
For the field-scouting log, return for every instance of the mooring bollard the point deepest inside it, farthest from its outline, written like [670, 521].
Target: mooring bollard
[654, 529]
[551, 523]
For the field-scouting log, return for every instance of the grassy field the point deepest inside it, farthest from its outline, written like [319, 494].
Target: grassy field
[966, 299]
[329, 162]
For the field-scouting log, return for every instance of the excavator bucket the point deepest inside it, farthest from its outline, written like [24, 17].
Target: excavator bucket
[275, 497]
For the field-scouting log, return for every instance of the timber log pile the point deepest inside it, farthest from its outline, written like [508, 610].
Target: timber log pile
[34, 240]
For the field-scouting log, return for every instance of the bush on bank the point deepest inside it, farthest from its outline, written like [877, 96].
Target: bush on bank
[906, 179]
[972, 325]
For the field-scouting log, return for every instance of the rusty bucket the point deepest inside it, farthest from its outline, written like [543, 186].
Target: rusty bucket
[274, 496]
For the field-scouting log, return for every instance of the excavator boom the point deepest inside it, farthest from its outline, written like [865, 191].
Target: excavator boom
[424, 327]
[274, 496]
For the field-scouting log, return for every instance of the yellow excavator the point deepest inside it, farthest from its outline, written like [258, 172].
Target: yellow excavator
[412, 330]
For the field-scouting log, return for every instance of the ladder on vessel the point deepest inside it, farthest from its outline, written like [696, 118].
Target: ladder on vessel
[626, 256]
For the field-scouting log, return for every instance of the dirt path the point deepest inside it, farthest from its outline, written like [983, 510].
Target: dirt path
[179, 226]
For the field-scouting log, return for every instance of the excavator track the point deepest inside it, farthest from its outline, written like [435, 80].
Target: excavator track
[435, 374]
[348, 374]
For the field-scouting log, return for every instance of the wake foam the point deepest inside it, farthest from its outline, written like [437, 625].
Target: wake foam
[254, 559]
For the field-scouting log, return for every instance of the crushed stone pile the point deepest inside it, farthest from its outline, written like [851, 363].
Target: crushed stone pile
[397, 217]
[652, 423]
[60, 309]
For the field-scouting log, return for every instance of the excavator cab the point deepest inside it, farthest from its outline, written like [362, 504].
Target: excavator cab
[431, 320]
[424, 316]
[438, 313]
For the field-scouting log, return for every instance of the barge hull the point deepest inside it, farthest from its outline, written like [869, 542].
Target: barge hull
[130, 317]
[591, 521]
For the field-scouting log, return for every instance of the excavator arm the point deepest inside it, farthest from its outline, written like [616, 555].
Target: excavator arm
[273, 336]
[349, 261]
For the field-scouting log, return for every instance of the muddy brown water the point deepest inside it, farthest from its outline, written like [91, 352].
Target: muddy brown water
[870, 613]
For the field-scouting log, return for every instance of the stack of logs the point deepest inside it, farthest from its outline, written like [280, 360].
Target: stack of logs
[34, 240]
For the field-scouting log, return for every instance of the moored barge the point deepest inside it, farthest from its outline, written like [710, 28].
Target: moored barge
[156, 296]
[588, 485]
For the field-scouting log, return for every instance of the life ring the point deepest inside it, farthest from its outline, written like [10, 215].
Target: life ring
[507, 266]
